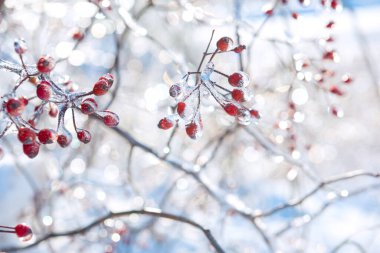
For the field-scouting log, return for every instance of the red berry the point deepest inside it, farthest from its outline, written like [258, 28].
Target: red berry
[14, 107]
[24, 101]
[53, 112]
[31, 150]
[26, 135]
[23, 231]
[330, 24]
[108, 78]
[165, 123]
[111, 119]
[335, 90]
[181, 106]
[77, 35]
[20, 46]
[347, 79]
[101, 87]
[269, 12]
[64, 140]
[329, 55]
[231, 109]
[254, 113]
[44, 91]
[84, 136]
[337, 112]
[88, 106]
[238, 95]
[32, 123]
[224, 44]
[175, 90]
[330, 39]
[47, 136]
[236, 79]
[239, 49]
[33, 80]
[292, 106]
[334, 4]
[192, 130]
[295, 15]
[45, 64]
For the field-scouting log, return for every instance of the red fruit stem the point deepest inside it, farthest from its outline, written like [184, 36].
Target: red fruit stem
[191, 73]
[220, 87]
[221, 52]
[75, 125]
[7, 227]
[212, 56]
[85, 94]
[205, 53]
[5, 231]
[221, 73]
[23, 64]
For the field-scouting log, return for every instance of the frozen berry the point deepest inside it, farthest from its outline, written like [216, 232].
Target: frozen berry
[165, 123]
[238, 79]
[84, 136]
[53, 112]
[20, 46]
[45, 64]
[47, 136]
[101, 87]
[224, 44]
[175, 90]
[237, 95]
[14, 107]
[181, 106]
[44, 91]
[239, 49]
[33, 80]
[231, 109]
[64, 140]
[192, 130]
[26, 135]
[24, 232]
[108, 78]
[88, 106]
[111, 119]
[31, 150]
[255, 114]
[24, 101]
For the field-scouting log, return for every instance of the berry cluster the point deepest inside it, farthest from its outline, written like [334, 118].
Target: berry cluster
[56, 98]
[232, 99]
[21, 230]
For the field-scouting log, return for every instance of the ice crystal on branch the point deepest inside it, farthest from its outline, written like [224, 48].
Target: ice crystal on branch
[231, 95]
[52, 97]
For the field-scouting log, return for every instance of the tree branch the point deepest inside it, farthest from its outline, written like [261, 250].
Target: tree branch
[148, 212]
